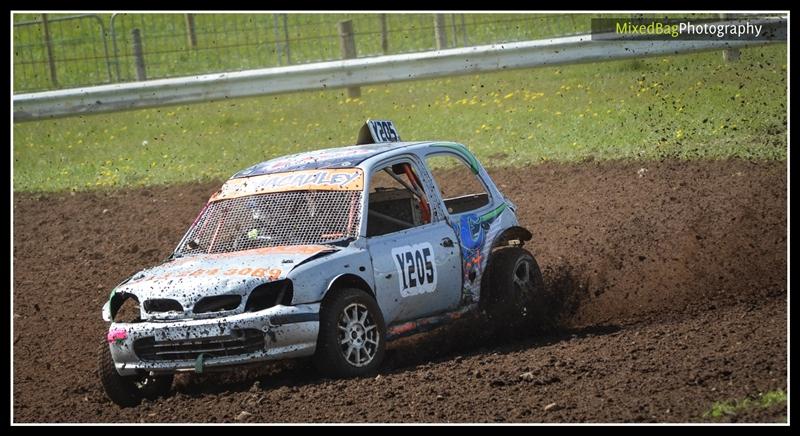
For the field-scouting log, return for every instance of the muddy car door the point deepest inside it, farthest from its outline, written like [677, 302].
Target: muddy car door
[471, 210]
[416, 259]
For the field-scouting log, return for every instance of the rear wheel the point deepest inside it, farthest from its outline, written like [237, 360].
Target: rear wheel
[515, 289]
[352, 335]
[128, 391]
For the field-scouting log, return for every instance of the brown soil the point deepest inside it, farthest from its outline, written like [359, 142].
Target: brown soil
[670, 284]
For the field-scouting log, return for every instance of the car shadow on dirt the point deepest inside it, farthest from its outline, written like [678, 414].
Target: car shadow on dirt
[566, 288]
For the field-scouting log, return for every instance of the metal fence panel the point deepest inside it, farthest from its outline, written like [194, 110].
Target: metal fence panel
[93, 49]
[226, 42]
[55, 51]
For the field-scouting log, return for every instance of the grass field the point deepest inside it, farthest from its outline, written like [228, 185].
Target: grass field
[687, 107]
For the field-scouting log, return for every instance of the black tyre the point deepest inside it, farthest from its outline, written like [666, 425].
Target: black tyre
[515, 289]
[352, 335]
[128, 391]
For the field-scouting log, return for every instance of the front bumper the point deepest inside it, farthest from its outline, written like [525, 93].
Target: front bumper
[192, 345]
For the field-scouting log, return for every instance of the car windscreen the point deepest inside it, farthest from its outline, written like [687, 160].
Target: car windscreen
[274, 219]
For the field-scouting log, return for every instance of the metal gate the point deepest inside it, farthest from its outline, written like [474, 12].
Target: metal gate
[60, 52]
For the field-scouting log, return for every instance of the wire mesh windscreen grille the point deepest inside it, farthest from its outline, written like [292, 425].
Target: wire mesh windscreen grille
[275, 219]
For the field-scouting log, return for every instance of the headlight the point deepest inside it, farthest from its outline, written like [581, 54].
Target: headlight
[270, 294]
[125, 308]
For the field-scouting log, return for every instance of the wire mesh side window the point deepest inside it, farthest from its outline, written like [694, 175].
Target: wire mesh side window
[275, 219]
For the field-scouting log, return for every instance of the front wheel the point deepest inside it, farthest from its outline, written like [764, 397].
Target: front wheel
[352, 335]
[128, 391]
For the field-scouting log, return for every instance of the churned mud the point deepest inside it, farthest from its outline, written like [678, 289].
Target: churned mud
[668, 281]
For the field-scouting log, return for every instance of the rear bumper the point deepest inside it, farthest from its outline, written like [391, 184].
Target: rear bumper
[288, 331]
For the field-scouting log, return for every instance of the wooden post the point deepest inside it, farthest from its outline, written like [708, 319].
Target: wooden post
[730, 54]
[348, 45]
[439, 31]
[384, 33]
[49, 48]
[138, 55]
[191, 34]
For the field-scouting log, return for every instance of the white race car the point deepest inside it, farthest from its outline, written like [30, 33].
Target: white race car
[330, 254]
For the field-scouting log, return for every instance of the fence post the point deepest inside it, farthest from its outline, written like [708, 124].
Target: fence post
[348, 45]
[114, 46]
[49, 47]
[286, 40]
[191, 35]
[278, 47]
[384, 33]
[439, 31]
[464, 31]
[138, 54]
[453, 28]
[730, 54]
[105, 46]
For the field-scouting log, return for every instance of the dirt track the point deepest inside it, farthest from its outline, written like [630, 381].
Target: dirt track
[673, 284]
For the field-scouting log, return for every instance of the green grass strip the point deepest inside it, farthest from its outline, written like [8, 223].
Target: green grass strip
[769, 399]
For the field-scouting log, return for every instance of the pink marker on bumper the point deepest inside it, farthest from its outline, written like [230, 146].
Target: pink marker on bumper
[116, 335]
